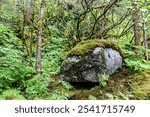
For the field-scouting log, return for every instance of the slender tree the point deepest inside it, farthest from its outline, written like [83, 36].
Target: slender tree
[32, 2]
[39, 38]
[145, 32]
[136, 27]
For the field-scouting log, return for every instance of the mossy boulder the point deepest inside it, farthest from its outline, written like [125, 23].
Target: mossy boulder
[87, 46]
[90, 59]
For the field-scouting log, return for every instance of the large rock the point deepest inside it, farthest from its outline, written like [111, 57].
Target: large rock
[91, 66]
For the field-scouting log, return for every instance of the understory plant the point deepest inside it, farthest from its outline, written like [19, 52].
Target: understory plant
[13, 72]
[104, 80]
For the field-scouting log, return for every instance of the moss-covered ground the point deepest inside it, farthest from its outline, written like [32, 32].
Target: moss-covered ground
[123, 85]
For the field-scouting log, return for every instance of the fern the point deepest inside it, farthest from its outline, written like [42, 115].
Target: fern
[104, 80]
[12, 71]
[11, 94]
[59, 95]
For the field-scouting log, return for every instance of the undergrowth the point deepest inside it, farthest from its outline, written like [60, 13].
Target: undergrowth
[17, 80]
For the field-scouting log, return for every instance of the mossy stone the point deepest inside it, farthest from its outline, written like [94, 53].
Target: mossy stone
[87, 46]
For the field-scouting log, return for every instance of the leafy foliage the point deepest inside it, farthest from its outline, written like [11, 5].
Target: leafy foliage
[104, 80]
[132, 61]
[53, 51]
[66, 85]
[136, 65]
[59, 95]
[11, 94]
[66, 24]
[13, 72]
[37, 87]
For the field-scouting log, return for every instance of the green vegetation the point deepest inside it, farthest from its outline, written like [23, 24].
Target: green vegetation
[69, 28]
[125, 85]
[13, 72]
[11, 94]
[140, 84]
[104, 80]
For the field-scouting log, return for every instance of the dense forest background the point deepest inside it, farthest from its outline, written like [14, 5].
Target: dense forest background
[36, 35]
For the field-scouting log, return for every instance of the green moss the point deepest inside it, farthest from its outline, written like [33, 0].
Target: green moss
[87, 46]
[123, 85]
[141, 85]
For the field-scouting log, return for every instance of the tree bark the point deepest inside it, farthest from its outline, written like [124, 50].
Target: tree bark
[145, 34]
[136, 27]
[39, 39]
[32, 2]
[145, 41]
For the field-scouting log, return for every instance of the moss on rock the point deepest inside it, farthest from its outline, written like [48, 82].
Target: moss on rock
[87, 46]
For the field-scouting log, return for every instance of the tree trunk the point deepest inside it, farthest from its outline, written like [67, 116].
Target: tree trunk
[39, 39]
[145, 34]
[136, 27]
[145, 41]
[103, 22]
[32, 2]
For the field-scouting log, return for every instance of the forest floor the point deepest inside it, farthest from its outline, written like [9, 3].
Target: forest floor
[123, 85]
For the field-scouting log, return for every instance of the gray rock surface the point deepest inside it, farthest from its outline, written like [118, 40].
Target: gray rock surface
[91, 67]
[113, 60]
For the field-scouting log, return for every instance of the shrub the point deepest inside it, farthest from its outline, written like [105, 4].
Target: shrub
[13, 72]
[37, 87]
